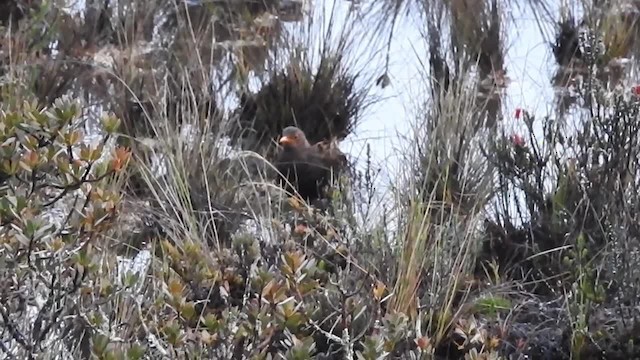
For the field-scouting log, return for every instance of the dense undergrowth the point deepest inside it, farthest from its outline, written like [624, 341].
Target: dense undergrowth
[139, 218]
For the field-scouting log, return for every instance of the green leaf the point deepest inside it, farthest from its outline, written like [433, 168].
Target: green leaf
[100, 343]
[110, 124]
[131, 278]
[136, 352]
[212, 323]
[188, 310]
[492, 305]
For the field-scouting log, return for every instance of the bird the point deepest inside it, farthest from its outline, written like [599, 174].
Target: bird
[307, 167]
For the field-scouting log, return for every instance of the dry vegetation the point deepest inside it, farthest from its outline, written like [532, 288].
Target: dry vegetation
[139, 218]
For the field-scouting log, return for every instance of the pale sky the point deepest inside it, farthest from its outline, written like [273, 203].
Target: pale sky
[529, 64]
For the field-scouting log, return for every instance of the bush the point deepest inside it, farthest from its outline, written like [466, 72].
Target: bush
[167, 237]
[57, 210]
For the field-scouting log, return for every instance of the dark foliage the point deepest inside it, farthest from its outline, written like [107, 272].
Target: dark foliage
[12, 11]
[512, 248]
[567, 43]
[323, 102]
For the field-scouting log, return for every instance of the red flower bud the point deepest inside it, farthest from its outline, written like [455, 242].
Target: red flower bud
[518, 113]
[517, 140]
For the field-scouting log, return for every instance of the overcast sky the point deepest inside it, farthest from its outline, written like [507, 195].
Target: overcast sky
[529, 65]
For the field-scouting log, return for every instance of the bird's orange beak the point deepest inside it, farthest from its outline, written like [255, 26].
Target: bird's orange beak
[285, 140]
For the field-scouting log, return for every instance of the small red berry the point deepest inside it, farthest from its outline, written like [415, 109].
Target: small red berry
[518, 113]
[517, 140]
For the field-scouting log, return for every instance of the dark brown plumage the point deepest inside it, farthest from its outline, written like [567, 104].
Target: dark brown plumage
[307, 167]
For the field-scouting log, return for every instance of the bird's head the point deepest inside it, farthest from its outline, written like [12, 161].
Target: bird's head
[293, 138]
